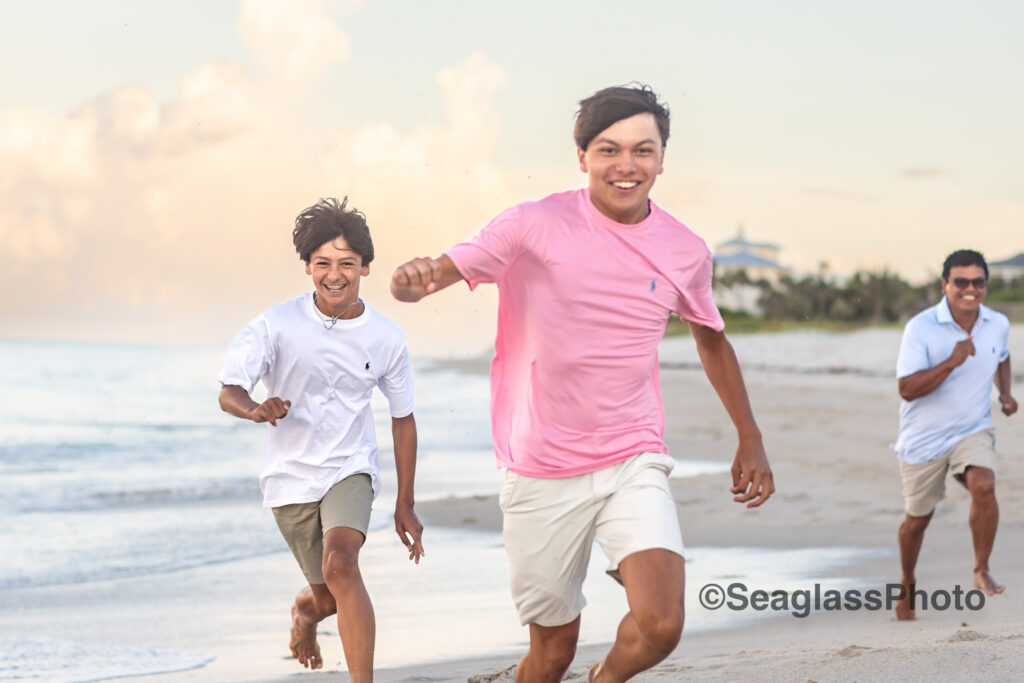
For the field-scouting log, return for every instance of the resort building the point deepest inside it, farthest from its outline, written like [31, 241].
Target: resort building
[757, 260]
[1009, 269]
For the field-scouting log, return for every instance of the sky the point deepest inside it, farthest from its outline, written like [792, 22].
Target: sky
[153, 155]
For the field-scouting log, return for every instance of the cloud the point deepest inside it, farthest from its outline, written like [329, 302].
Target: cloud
[924, 172]
[831, 193]
[291, 39]
[131, 219]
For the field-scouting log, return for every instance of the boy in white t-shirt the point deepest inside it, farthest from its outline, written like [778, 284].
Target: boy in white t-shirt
[320, 355]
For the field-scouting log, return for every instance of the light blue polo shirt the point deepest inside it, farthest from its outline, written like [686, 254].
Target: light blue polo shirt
[962, 404]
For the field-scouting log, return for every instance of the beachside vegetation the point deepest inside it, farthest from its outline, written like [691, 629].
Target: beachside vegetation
[866, 298]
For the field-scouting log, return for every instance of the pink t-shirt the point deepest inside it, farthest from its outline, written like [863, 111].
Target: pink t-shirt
[582, 304]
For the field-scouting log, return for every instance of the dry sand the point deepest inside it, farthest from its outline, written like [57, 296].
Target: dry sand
[838, 485]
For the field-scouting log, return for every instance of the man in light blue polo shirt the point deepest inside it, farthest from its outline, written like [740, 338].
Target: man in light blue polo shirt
[949, 357]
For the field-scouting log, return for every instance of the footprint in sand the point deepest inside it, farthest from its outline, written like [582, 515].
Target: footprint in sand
[853, 651]
[963, 635]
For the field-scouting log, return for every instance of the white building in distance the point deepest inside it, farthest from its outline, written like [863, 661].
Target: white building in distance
[758, 260]
[1007, 269]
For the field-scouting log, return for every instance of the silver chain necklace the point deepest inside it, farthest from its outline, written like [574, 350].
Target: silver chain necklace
[331, 321]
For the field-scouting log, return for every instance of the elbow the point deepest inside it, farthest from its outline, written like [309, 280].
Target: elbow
[906, 392]
[222, 400]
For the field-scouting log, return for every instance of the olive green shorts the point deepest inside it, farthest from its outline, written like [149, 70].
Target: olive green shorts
[303, 525]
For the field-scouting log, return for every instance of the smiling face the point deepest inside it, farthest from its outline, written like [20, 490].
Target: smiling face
[336, 270]
[622, 163]
[964, 301]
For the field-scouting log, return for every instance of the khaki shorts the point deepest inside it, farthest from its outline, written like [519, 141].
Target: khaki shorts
[303, 525]
[924, 485]
[550, 526]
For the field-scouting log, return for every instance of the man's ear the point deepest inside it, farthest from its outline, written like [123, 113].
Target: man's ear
[582, 155]
[309, 271]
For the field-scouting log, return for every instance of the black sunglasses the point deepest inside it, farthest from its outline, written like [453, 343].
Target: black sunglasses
[962, 282]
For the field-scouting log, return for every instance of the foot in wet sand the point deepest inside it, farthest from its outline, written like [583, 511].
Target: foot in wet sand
[303, 642]
[984, 581]
[902, 609]
[595, 671]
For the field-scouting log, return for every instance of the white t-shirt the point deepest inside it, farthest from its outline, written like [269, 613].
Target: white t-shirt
[329, 376]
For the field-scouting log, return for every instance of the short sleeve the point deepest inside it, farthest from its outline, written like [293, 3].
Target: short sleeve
[248, 357]
[396, 385]
[696, 300]
[913, 351]
[1004, 351]
[486, 257]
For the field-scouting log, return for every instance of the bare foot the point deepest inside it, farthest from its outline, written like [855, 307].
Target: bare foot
[595, 671]
[303, 643]
[984, 581]
[902, 608]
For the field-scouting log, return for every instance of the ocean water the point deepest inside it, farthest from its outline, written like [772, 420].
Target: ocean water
[122, 456]
[116, 462]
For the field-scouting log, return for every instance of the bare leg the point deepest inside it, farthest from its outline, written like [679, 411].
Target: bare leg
[654, 581]
[312, 605]
[552, 649]
[984, 519]
[911, 536]
[356, 623]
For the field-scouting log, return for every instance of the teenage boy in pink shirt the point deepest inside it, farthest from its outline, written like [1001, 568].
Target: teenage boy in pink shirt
[586, 281]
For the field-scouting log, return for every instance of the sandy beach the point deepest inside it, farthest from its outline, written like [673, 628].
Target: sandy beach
[827, 432]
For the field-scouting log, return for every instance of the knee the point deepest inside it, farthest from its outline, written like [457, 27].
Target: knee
[915, 526]
[662, 628]
[555, 657]
[984, 490]
[341, 565]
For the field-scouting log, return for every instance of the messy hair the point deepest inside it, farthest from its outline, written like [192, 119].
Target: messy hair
[326, 221]
[606, 107]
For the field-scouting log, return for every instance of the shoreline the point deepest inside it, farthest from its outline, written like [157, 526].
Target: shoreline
[837, 487]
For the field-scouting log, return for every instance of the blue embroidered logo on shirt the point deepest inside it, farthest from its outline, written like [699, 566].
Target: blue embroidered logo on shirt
[367, 365]
[653, 285]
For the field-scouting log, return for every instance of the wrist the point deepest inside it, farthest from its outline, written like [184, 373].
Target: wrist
[749, 435]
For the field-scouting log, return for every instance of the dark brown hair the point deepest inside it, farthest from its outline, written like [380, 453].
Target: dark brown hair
[326, 221]
[605, 107]
[963, 257]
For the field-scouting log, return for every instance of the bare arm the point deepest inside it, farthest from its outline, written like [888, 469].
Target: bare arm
[924, 382]
[407, 525]
[752, 477]
[236, 401]
[1006, 399]
[419, 277]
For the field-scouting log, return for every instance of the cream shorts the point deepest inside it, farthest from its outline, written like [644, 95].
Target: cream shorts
[303, 525]
[550, 526]
[924, 485]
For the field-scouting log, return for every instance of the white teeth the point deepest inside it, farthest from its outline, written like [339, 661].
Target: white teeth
[625, 184]
[969, 298]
